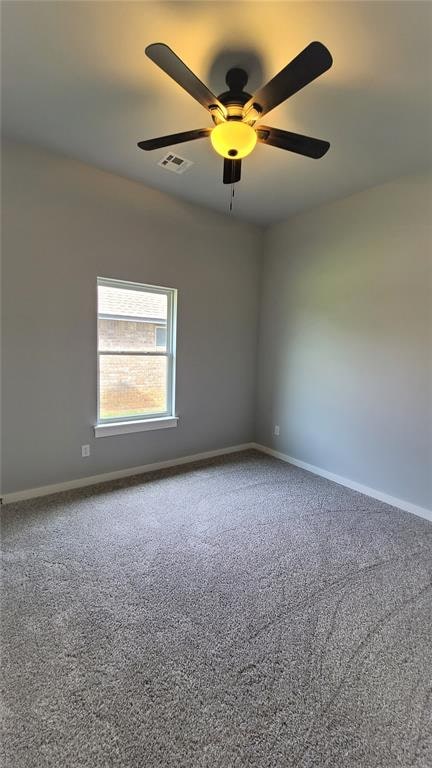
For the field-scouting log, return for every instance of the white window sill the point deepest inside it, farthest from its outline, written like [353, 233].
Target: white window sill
[142, 425]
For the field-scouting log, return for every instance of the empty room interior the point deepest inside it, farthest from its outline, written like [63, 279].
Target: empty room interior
[216, 384]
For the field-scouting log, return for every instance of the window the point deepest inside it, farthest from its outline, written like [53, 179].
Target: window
[136, 356]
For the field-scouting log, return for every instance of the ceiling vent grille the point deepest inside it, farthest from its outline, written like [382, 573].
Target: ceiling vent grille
[175, 163]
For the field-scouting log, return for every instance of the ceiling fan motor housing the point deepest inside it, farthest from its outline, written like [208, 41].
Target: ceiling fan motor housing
[235, 98]
[236, 79]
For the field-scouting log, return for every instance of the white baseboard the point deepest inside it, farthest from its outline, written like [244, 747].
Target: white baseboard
[82, 482]
[407, 506]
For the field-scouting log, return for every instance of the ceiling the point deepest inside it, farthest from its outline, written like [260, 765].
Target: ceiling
[75, 79]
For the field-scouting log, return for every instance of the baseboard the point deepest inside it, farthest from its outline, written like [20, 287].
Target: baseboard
[47, 490]
[82, 482]
[407, 506]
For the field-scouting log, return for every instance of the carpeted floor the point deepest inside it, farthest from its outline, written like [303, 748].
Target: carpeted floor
[240, 613]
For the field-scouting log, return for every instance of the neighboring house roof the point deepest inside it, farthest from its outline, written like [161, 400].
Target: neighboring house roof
[129, 303]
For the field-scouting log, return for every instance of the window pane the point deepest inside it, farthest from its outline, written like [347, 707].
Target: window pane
[161, 338]
[131, 335]
[131, 385]
[130, 303]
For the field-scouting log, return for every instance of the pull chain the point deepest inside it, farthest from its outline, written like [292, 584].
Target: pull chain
[232, 198]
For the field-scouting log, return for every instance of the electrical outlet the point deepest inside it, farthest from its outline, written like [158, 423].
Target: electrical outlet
[85, 451]
[277, 430]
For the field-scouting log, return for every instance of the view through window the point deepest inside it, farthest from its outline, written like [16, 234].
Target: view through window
[135, 350]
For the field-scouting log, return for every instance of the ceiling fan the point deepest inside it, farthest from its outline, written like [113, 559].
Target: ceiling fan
[235, 112]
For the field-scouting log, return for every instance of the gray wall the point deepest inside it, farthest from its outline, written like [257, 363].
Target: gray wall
[64, 223]
[344, 363]
[345, 339]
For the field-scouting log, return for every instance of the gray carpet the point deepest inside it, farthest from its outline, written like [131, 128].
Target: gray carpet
[238, 613]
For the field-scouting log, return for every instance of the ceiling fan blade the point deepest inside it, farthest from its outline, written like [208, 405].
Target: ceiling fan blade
[308, 65]
[293, 142]
[231, 171]
[174, 138]
[166, 59]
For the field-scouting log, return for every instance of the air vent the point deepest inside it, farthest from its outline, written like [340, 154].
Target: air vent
[175, 163]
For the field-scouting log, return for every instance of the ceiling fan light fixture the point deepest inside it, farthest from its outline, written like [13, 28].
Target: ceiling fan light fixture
[233, 139]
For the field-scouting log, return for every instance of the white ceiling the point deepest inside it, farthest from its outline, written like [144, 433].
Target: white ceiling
[75, 79]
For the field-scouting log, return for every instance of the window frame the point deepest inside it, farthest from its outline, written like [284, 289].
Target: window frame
[150, 420]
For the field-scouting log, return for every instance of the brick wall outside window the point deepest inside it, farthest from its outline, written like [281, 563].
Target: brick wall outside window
[130, 385]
